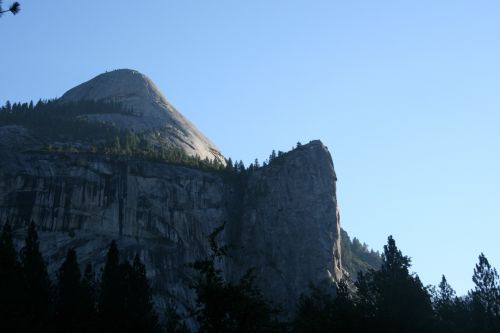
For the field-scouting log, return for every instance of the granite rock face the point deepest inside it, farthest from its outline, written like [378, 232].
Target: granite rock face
[289, 231]
[157, 117]
[281, 219]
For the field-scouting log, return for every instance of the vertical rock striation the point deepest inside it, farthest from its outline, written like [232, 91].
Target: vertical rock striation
[289, 230]
[282, 221]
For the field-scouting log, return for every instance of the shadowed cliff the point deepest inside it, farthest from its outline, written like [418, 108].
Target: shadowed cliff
[281, 220]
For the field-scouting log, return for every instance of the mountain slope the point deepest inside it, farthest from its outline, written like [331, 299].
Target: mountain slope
[134, 90]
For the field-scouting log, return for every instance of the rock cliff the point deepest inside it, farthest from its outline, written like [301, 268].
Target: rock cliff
[157, 117]
[281, 219]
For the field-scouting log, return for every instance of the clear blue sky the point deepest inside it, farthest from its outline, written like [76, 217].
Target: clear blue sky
[404, 93]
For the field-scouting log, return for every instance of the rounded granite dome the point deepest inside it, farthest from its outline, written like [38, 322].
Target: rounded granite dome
[153, 112]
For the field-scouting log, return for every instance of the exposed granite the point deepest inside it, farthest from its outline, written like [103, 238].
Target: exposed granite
[282, 220]
[158, 117]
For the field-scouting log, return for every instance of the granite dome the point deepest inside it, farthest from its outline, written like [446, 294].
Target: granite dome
[152, 111]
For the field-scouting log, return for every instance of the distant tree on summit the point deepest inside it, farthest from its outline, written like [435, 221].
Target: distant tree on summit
[272, 156]
[14, 8]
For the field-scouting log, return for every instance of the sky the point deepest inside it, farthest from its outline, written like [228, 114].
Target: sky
[405, 94]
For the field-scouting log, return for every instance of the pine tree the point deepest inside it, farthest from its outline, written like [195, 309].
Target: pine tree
[110, 306]
[11, 287]
[256, 163]
[125, 302]
[272, 156]
[451, 313]
[344, 312]
[174, 322]
[8, 106]
[315, 312]
[37, 283]
[140, 311]
[14, 8]
[485, 297]
[88, 298]
[226, 307]
[229, 165]
[69, 309]
[392, 299]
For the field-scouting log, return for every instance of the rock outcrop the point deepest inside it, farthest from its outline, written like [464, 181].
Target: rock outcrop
[281, 219]
[134, 90]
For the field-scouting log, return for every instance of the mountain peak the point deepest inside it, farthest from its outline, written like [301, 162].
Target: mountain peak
[153, 113]
[127, 86]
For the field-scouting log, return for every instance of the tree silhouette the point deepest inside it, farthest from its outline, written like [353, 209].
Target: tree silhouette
[392, 299]
[452, 314]
[88, 297]
[125, 302]
[14, 8]
[485, 297]
[37, 283]
[11, 287]
[315, 312]
[69, 308]
[223, 306]
[111, 292]
[140, 311]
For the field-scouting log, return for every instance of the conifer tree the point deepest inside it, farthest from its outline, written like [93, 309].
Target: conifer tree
[11, 287]
[14, 8]
[226, 307]
[315, 312]
[272, 156]
[69, 310]
[344, 312]
[229, 165]
[88, 297]
[451, 312]
[485, 298]
[140, 311]
[37, 301]
[110, 306]
[392, 299]
[125, 302]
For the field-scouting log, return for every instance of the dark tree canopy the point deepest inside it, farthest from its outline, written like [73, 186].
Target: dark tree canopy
[125, 303]
[11, 283]
[13, 8]
[120, 299]
[223, 306]
[37, 283]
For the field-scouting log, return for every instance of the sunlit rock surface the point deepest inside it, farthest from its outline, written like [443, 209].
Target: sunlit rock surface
[164, 124]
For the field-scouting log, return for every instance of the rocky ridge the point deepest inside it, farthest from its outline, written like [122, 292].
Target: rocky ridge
[164, 124]
[281, 219]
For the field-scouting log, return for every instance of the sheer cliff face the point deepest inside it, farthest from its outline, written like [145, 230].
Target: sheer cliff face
[282, 220]
[289, 231]
[158, 117]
